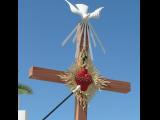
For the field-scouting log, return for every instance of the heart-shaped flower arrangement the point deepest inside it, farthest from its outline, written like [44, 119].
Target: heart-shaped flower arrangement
[83, 78]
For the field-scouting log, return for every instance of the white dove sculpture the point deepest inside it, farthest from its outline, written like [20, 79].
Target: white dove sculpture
[82, 9]
[87, 28]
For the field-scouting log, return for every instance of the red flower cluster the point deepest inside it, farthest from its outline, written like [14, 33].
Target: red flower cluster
[83, 78]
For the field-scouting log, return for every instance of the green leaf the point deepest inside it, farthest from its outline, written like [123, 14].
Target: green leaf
[24, 89]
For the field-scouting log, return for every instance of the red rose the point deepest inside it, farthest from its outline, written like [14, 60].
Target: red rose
[83, 78]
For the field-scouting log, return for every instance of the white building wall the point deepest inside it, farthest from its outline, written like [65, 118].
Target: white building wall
[22, 115]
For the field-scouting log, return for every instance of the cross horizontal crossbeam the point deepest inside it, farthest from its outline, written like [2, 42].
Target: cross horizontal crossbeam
[52, 76]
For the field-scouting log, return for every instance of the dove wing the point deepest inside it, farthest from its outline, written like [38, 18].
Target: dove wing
[96, 13]
[73, 8]
[82, 8]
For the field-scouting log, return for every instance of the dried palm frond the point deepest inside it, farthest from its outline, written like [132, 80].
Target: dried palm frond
[84, 96]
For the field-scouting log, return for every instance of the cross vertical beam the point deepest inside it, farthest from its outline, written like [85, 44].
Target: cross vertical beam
[80, 114]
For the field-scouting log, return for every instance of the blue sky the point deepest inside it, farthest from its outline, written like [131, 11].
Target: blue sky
[44, 24]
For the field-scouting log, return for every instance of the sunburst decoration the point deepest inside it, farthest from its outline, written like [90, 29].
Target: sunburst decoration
[84, 73]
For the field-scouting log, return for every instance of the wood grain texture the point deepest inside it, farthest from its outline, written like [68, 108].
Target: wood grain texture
[52, 76]
[117, 86]
[80, 114]
[45, 74]
[80, 38]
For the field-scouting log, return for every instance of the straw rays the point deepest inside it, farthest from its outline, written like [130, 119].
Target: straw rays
[86, 32]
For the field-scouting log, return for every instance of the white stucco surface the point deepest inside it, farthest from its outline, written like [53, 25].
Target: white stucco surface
[22, 115]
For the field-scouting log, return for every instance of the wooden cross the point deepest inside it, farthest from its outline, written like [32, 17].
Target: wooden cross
[52, 76]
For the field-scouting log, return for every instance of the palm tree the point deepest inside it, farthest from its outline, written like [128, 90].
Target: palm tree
[24, 89]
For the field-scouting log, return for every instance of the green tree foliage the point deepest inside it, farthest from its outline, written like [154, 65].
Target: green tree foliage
[24, 89]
